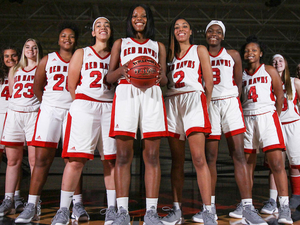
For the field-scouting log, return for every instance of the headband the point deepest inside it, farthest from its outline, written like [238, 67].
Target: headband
[101, 17]
[277, 55]
[217, 22]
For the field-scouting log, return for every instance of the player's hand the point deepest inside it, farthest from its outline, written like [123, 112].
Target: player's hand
[124, 69]
[160, 75]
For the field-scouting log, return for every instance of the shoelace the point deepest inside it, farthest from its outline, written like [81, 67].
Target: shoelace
[170, 211]
[283, 211]
[6, 203]
[121, 217]
[61, 214]
[210, 216]
[80, 209]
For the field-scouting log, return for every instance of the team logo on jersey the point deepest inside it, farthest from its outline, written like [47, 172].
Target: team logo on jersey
[128, 43]
[90, 54]
[73, 148]
[39, 137]
[117, 126]
[53, 60]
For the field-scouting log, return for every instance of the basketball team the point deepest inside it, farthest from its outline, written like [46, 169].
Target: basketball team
[86, 99]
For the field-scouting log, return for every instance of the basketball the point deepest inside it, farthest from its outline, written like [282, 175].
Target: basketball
[143, 72]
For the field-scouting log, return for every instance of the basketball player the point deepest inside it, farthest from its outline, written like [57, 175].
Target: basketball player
[20, 119]
[133, 106]
[226, 116]
[290, 120]
[186, 106]
[50, 89]
[262, 99]
[9, 57]
[89, 119]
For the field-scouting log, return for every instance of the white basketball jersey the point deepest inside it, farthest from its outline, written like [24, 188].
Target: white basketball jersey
[4, 95]
[131, 48]
[290, 110]
[23, 98]
[93, 81]
[224, 84]
[185, 73]
[257, 94]
[56, 91]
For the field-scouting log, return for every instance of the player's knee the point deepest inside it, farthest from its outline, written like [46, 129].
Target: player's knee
[199, 161]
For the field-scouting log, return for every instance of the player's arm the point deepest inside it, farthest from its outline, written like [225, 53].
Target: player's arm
[277, 87]
[74, 71]
[40, 78]
[163, 80]
[11, 80]
[115, 71]
[206, 71]
[238, 69]
[297, 86]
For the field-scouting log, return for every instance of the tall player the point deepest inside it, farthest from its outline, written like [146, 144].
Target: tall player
[50, 89]
[20, 119]
[89, 119]
[9, 57]
[262, 99]
[134, 106]
[290, 120]
[225, 113]
[186, 106]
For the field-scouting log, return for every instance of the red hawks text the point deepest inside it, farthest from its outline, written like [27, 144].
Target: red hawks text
[55, 69]
[95, 65]
[220, 62]
[140, 50]
[256, 80]
[24, 78]
[187, 63]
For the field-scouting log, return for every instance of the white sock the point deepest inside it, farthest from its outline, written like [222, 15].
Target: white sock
[273, 194]
[151, 202]
[77, 198]
[283, 200]
[34, 199]
[9, 195]
[207, 207]
[111, 198]
[247, 201]
[66, 198]
[176, 205]
[123, 202]
[213, 199]
[17, 193]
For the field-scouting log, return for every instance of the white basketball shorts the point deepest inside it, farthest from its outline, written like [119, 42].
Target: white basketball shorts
[87, 129]
[226, 115]
[263, 132]
[50, 126]
[134, 107]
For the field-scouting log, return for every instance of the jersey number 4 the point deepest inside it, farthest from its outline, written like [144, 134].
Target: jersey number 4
[252, 94]
[5, 93]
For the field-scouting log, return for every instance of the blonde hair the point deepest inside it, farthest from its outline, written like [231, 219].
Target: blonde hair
[286, 79]
[23, 60]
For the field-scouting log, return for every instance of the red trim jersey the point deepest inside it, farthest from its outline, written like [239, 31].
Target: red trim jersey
[56, 91]
[224, 84]
[257, 94]
[290, 110]
[4, 95]
[23, 98]
[93, 83]
[185, 73]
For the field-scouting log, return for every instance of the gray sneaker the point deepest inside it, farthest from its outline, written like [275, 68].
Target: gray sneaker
[173, 217]
[251, 216]
[198, 217]
[19, 205]
[122, 218]
[209, 218]
[39, 208]
[269, 207]
[110, 215]
[285, 215]
[28, 214]
[79, 213]
[62, 217]
[151, 217]
[7, 207]
[238, 212]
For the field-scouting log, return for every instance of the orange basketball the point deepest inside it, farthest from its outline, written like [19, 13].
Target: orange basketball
[143, 71]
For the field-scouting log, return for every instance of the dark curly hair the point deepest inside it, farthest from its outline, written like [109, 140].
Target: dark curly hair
[254, 39]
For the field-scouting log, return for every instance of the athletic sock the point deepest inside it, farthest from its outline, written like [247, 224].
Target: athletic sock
[151, 202]
[123, 202]
[111, 198]
[66, 198]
